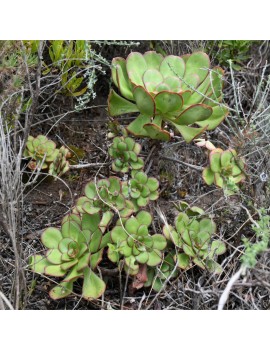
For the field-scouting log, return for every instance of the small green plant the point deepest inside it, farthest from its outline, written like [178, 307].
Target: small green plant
[141, 189]
[125, 151]
[74, 251]
[225, 170]
[105, 195]
[182, 91]
[238, 51]
[41, 150]
[60, 164]
[44, 155]
[262, 232]
[131, 240]
[192, 237]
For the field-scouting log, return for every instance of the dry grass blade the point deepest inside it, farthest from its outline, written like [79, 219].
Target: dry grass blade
[11, 189]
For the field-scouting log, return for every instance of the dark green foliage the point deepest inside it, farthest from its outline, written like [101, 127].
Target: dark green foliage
[238, 51]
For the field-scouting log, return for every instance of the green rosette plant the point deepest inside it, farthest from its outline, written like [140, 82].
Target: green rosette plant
[180, 90]
[60, 165]
[141, 189]
[74, 251]
[41, 150]
[225, 170]
[132, 241]
[192, 237]
[125, 151]
[104, 195]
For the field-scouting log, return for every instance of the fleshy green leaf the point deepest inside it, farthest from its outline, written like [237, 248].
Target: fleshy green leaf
[153, 59]
[174, 84]
[90, 221]
[156, 133]
[62, 290]
[199, 262]
[207, 225]
[51, 238]
[208, 176]
[215, 87]
[67, 265]
[188, 250]
[181, 222]
[112, 253]
[218, 115]
[144, 101]
[120, 77]
[54, 270]
[155, 257]
[217, 248]
[213, 267]
[71, 229]
[168, 102]
[189, 133]
[95, 241]
[136, 66]
[142, 201]
[159, 242]
[93, 286]
[219, 180]
[198, 63]
[90, 190]
[137, 126]
[96, 258]
[193, 114]
[54, 256]
[172, 66]
[226, 158]
[119, 106]
[144, 218]
[183, 260]
[151, 79]
[141, 177]
[142, 257]
[132, 225]
[73, 275]
[171, 235]
[198, 95]
[152, 184]
[215, 163]
[38, 263]
[118, 234]
[190, 82]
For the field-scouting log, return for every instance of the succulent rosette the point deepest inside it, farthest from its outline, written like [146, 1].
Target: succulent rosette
[225, 170]
[141, 189]
[180, 90]
[41, 150]
[192, 237]
[60, 165]
[74, 251]
[125, 151]
[104, 195]
[132, 241]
